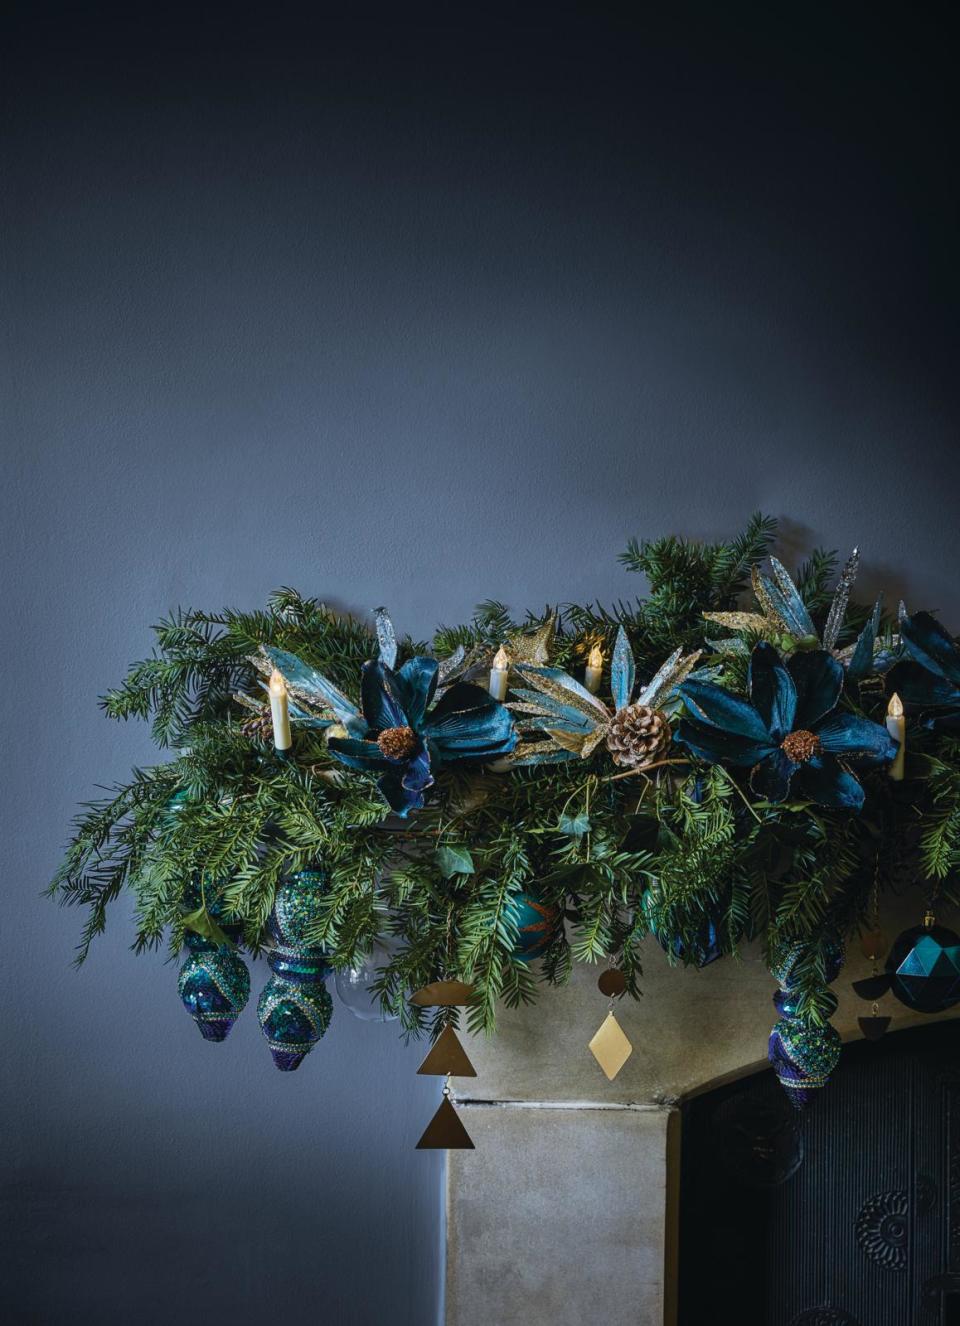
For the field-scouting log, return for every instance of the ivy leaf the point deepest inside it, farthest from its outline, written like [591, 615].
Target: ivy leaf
[574, 825]
[454, 861]
[202, 923]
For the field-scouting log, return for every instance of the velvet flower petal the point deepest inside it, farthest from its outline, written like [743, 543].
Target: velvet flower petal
[770, 779]
[772, 691]
[357, 754]
[414, 686]
[824, 781]
[468, 724]
[931, 646]
[857, 738]
[718, 747]
[717, 708]
[380, 697]
[818, 678]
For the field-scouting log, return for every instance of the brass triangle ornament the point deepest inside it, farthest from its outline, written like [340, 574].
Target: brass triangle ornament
[610, 1047]
[443, 994]
[447, 1058]
[445, 1132]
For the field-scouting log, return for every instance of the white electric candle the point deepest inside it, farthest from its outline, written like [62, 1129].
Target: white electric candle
[591, 678]
[897, 727]
[279, 711]
[500, 675]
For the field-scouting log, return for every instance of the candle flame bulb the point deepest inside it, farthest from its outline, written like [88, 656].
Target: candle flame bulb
[279, 711]
[594, 670]
[897, 727]
[500, 675]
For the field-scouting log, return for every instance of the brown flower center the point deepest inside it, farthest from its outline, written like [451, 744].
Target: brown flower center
[801, 746]
[398, 743]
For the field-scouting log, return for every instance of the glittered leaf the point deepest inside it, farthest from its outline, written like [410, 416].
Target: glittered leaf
[739, 621]
[202, 923]
[565, 689]
[622, 671]
[451, 665]
[861, 659]
[540, 752]
[571, 741]
[574, 825]
[841, 597]
[386, 637]
[534, 648]
[454, 861]
[789, 603]
[308, 685]
[668, 679]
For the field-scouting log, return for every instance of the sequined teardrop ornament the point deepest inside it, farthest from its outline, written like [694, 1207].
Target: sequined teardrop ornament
[214, 986]
[294, 1006]
[802, 1053]
[214, 982]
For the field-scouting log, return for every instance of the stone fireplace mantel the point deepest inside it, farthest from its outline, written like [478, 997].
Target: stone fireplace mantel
[567, 1210]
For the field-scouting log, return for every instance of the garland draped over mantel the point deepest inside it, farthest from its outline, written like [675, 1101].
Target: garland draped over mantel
[723, 760]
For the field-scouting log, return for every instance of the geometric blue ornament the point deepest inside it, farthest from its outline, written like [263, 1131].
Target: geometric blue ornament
[924, 967]
[294, 1007]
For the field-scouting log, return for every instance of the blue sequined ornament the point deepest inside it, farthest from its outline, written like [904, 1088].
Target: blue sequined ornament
[803, 1057]
[213, 983]
[802, 1054]
[294, 1007]
[536, 924]
[924, 968]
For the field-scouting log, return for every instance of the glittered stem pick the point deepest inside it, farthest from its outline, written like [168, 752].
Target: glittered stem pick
[443, 994]
[447, 1058]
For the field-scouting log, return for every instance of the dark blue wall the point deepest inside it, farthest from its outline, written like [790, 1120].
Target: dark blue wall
[408, 315]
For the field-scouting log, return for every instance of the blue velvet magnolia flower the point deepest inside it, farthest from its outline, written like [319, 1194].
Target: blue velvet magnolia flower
[790, 732]
[404, 738]
[930, 679]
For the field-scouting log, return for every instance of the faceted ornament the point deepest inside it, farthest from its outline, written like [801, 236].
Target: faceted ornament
[610, 1047]
[924, 966]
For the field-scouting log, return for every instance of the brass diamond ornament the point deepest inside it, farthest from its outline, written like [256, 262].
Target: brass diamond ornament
[610, 1047]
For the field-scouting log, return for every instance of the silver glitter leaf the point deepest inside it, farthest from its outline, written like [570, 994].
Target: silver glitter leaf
[841, 597]
[790, 605]
[386, 637]
[668, 678]
[622, 671]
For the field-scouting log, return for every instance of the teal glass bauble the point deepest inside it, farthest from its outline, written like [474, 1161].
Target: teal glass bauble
[536, 923]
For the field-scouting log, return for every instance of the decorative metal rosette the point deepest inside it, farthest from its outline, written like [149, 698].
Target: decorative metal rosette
[882, 1229]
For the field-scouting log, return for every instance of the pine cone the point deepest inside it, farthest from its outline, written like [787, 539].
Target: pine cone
[259, 727]
[638, 735]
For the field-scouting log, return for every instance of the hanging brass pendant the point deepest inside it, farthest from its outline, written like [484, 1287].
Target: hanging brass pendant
[447, 1058]
[443, 994]
[610, 1047]
[445, 1132]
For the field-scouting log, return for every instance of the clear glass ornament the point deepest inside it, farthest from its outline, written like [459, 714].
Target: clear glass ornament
[353, 983]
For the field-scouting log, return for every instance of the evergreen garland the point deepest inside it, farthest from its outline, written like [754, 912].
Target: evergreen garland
[674, 850]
